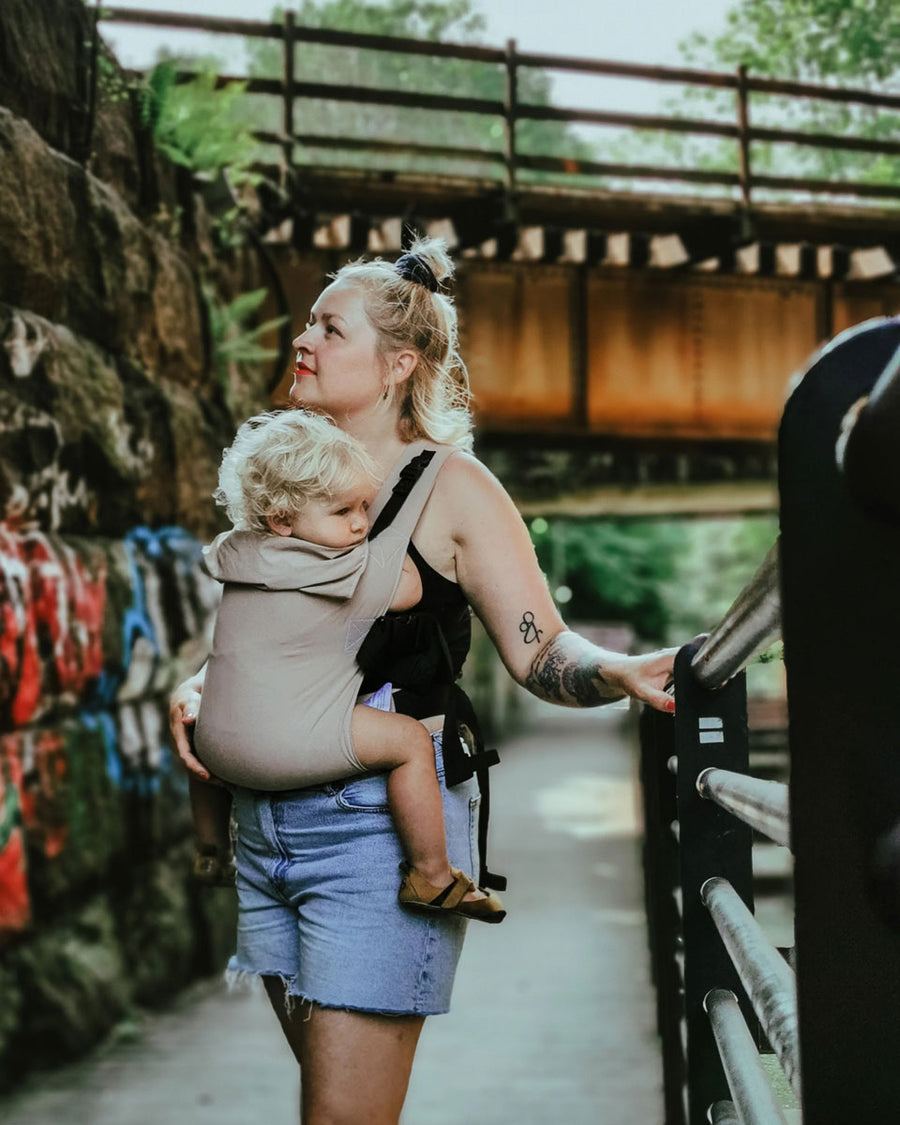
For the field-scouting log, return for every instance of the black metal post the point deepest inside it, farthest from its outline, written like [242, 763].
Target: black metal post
[287, 112]
[510, 113]
[841, 606]
[660, 854]
[710, 730]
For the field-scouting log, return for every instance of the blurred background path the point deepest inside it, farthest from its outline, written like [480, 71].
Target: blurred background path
[553, 1013]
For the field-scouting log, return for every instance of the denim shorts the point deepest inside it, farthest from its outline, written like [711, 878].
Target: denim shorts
[317, 881]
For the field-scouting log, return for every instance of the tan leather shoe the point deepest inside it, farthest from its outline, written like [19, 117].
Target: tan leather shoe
[418, 894]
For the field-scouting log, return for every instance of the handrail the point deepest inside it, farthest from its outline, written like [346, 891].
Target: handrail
[407, 45]
[837, 1016]
[511, 110]
[750, 1089]
[751, 624]
[723, 1113]
[765, 975]
[764, 805]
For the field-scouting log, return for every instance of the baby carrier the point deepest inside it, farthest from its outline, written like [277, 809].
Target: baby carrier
[410, 651]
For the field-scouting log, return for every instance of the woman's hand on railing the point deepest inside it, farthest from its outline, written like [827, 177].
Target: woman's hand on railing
[644, 677]
[184, 706]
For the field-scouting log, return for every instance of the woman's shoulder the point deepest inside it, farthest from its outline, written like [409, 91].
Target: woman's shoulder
[468, 493]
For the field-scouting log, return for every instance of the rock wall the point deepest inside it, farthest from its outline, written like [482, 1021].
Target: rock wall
[112, 423]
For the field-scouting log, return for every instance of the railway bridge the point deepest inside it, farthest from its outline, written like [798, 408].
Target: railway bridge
[630, 328]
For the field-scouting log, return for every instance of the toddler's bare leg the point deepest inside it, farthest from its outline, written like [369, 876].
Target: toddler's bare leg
[386, 740]
[211, 808]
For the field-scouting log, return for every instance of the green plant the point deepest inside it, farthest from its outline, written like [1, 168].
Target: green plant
[234, 340]
[195, 123]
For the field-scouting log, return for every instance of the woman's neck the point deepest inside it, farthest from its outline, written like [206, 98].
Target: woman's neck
[379, 433]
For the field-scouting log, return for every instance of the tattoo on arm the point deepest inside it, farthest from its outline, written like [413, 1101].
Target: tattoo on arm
[530, 632]
[562, 677]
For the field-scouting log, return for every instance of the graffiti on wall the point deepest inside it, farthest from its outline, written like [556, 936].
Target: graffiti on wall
[92, 634]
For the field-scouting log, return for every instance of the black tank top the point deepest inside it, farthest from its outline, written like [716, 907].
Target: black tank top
[445, 601]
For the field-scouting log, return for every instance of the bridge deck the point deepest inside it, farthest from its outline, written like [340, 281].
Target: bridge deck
[553, 1016]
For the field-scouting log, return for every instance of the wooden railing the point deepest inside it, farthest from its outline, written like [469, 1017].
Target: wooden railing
[515, 167]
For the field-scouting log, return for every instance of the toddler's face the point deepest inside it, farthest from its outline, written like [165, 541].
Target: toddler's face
[342, 521]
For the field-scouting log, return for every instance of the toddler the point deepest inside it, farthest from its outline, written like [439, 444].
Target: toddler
[278, 709]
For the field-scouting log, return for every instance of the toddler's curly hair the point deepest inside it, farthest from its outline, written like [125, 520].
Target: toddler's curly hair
[280, 460]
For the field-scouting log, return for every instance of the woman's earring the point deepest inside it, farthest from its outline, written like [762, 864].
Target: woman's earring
[384, 396]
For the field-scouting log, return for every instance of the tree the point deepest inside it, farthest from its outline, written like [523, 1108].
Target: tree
[612, 569]
[834, 42]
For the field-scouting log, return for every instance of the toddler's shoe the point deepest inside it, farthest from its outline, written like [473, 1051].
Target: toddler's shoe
[418, 894]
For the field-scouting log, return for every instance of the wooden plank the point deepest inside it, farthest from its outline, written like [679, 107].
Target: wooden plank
[516, 341]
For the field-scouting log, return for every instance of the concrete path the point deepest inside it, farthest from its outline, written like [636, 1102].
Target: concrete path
[553, 1012]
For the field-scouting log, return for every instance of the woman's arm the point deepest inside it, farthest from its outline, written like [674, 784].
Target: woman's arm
[184, 706]
[498, 570]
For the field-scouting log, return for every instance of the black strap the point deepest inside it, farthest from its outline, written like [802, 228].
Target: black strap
[458, 765]
[460, 710]
[409, 474]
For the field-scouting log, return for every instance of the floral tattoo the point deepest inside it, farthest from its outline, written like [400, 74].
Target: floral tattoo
[564, 678]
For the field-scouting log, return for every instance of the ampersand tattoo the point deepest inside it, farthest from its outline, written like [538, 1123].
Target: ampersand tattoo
[528, 629]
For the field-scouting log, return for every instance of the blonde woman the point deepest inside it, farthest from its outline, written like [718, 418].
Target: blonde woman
[318, 922]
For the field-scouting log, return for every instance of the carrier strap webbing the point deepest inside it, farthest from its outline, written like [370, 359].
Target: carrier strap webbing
[409, 474]
[459, 765]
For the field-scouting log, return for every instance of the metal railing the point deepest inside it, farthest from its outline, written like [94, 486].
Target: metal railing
[516, 167]
[722, 986]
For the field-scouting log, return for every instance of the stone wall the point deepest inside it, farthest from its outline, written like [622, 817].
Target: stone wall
[111, 427]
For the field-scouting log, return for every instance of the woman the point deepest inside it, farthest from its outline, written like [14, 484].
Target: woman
[379, 355]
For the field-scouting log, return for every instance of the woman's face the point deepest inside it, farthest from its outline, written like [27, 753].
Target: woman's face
[338, 368]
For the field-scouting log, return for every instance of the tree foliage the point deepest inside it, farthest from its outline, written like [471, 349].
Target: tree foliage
[616, 570]
[195, 124]
[833, 42]
[808, 40]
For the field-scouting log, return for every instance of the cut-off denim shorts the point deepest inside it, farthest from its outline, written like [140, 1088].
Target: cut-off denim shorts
[317, 881]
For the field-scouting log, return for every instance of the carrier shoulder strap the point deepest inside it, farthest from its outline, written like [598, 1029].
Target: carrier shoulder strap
[409, 474]
[401, 511]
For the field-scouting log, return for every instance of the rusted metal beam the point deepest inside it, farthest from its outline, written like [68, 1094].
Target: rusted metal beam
[629, 120]
[830, 187]
[612, 68]
[825, 140]
[327, 36]
[397, 148]
[638, 171]
[215, 24]
[823, 93]
[368, 95]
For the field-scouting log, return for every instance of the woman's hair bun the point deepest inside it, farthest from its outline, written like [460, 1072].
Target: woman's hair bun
[433, 251]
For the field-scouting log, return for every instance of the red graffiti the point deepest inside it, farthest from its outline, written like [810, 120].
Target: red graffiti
[15, 904]
[38, 764]
[51, 616]
[68, 611]
[20, 671]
